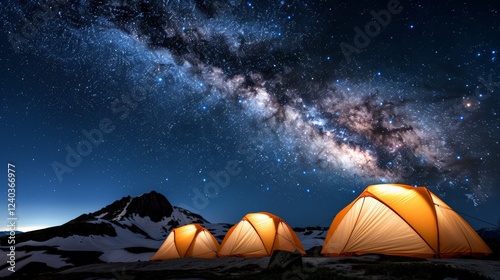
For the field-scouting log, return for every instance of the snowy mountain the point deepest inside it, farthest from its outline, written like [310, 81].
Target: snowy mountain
[150, 215]
[128, 230]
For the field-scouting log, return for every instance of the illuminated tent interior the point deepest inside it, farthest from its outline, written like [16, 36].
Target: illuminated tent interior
[190, 240]
[259, 234]
[401, 220]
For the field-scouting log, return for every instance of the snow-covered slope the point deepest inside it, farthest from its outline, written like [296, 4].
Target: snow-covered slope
[311, 237]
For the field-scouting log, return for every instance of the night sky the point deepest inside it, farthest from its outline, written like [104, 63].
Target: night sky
[228, 107]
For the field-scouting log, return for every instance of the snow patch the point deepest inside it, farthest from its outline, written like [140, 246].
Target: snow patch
[123, 212]
[100, 216]
[54, 261]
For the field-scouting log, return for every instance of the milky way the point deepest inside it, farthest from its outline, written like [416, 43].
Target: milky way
[256, 60]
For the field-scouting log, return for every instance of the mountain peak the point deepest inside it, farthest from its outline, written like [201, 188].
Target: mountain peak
[153, 205]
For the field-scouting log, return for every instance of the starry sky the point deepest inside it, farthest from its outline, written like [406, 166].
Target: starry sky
[229, 106]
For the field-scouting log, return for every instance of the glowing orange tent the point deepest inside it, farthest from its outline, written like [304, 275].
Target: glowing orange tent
[186, 241]
[394, 219]
[259, 234]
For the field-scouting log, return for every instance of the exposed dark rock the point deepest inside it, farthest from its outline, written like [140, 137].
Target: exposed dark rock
[314, 251]
[81, 257]
[112, 210]
[136, 229]
[66, 230]
[173, 224]
[152, 205]
[284, 260]
[199, 218]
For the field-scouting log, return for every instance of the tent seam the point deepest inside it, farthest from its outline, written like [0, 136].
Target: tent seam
[264, 244]
[198, 230]
[355, 223]
[284, 237]
[437, 222]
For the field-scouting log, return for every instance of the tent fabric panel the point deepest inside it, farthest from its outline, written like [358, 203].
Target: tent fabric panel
[167, 249]
[265, 226]
[338, 218]
[242, 240]
[377, 229]
[203, 246]
[287, 240]
[340, 235]
[457, 237]
[406, 201]
[184, 236]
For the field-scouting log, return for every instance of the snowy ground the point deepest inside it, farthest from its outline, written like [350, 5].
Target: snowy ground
[345, 265]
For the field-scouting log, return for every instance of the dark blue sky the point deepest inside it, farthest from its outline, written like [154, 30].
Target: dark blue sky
[286, 103]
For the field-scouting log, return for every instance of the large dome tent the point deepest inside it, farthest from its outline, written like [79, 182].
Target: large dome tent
[402, 220]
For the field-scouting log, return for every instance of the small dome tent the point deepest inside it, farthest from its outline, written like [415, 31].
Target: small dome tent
[401, 220]
[187, 241]
[259, 234]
